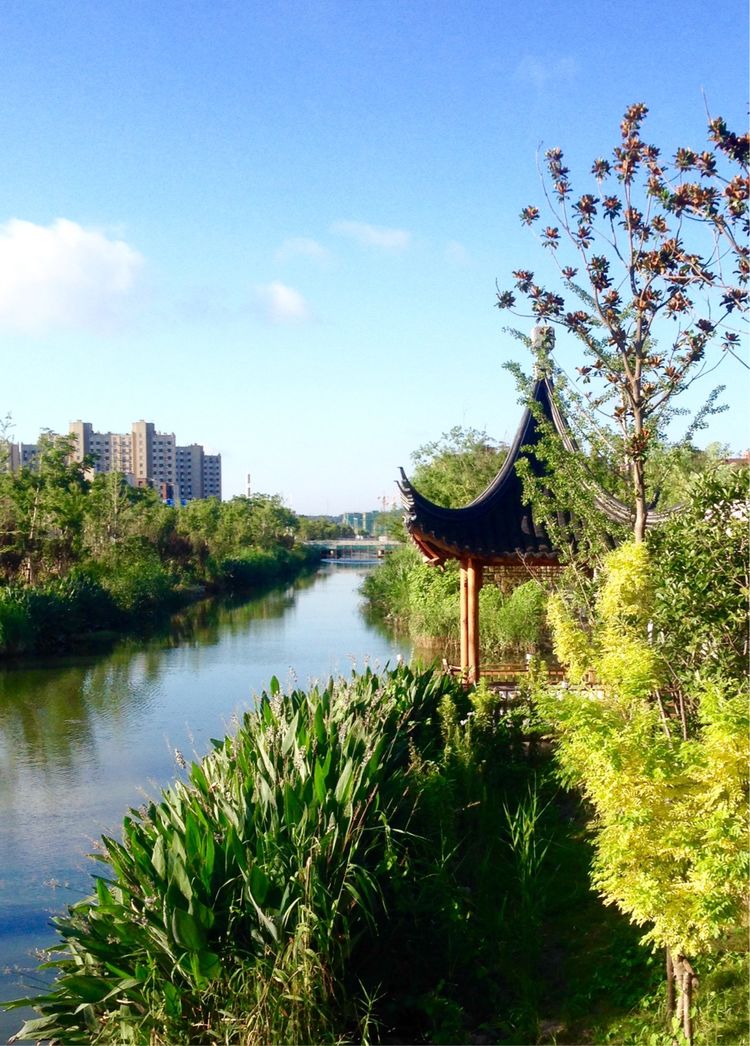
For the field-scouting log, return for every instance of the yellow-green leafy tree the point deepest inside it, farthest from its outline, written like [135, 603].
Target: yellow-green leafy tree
[653, 729]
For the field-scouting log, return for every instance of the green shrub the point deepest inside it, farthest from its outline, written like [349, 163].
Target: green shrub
[137, 581]
[415, 596]
[44, 618]
[387, 588]
[16, 628]
[425, 602]
[433, 602]
[513, 623]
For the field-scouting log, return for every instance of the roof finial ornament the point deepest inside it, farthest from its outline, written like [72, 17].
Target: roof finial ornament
[542, 344]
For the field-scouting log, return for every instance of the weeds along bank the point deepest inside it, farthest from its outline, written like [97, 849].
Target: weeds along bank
[126, 593]
[291, 886]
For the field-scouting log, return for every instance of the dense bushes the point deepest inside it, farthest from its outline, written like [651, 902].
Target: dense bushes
[514, 622]
[123, 593]
[137, 582]
[652, 726]
[15, 623]
[49, 617]
[424, 602]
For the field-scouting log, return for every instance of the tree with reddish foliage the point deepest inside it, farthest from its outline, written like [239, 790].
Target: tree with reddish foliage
[658, 241]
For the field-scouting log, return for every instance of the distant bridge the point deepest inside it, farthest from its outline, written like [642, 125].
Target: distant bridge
[366, 549]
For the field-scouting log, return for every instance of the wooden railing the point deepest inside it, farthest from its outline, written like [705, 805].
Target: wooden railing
[508, 672]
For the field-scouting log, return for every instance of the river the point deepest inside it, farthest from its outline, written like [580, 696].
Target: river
[84, 738]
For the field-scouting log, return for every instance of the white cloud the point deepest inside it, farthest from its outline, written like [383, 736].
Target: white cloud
[373, 235]
[302, 246]
[63, 276]
[543, 72]
[281, 304]
[456, 253]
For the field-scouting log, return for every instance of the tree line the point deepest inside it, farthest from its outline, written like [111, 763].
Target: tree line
[80, 553]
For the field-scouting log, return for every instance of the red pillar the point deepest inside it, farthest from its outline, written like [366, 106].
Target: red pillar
[463, 588]
[473, 585]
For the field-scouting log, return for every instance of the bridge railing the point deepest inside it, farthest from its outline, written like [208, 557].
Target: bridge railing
[343, 548]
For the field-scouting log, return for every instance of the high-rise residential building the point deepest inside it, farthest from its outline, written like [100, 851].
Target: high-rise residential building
[163, 464]
[82, 431]
[189, 466]
[112, 451]
[143, 449]
[149, 457]
[20, 455]
[198, 473]
[26, 453]
[212, 476]
[121, 452]
[144, 456]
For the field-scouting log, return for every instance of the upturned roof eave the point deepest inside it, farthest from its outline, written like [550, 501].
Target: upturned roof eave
[491, 497]
[501, 497]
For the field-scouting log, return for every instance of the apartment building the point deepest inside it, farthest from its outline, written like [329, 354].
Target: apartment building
[212, 476]
[144, 456]
[25, 453]
[189, 467]
[112, 450]
[154, 455]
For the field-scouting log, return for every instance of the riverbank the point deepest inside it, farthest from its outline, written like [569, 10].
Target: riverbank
[92, 608]
[84, 555]
[383, 858]
[84, 736]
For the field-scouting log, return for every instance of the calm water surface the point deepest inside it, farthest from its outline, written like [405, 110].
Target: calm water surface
[84, 738]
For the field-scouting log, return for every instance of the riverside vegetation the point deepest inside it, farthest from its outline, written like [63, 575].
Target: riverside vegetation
[650, 733]
[390, 858]
[382, 859]
[423, 602]
[80, 556]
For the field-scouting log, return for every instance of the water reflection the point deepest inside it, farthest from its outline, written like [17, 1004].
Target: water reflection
[82, 738]
[48, 709]
[202, 623]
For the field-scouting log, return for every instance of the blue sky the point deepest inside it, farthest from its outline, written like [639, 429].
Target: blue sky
[275, 228]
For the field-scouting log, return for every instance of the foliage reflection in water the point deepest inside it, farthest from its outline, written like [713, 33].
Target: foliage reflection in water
[84, 738]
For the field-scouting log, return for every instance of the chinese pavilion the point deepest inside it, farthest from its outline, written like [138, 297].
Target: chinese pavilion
[497, 531]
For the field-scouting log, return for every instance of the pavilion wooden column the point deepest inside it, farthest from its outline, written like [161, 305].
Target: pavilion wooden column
[463, 590]
[470, 582]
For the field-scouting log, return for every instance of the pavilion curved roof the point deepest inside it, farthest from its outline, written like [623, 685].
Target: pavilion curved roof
[498, 527]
